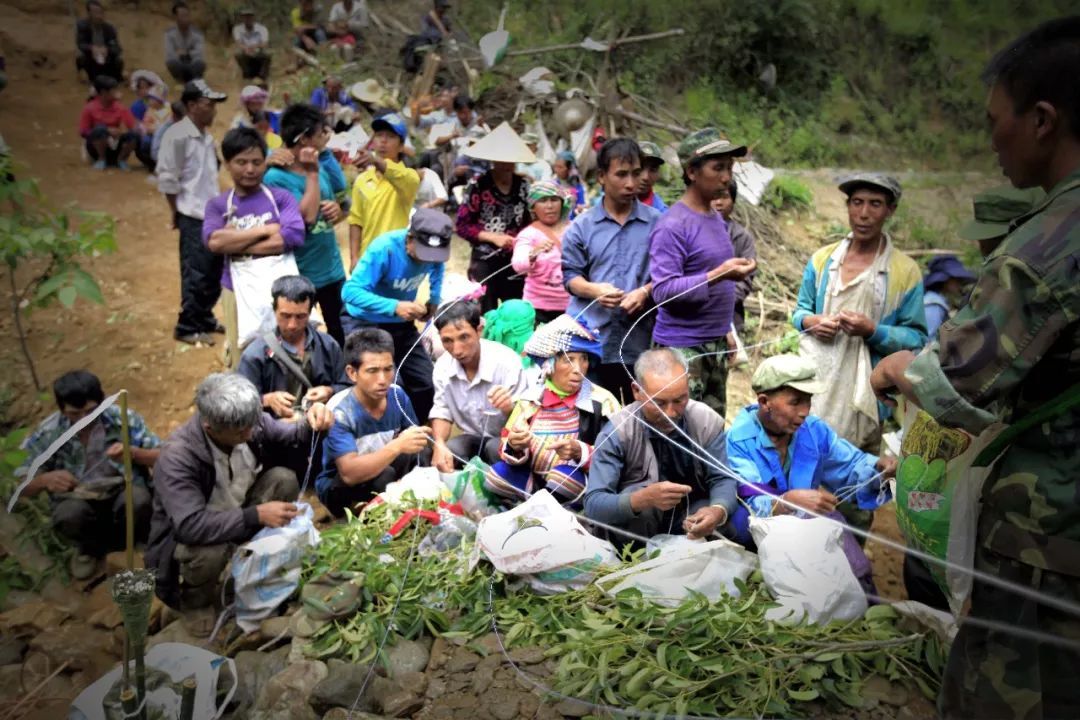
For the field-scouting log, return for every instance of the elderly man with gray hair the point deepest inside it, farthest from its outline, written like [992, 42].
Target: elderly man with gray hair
[649, 473]
[221, 477]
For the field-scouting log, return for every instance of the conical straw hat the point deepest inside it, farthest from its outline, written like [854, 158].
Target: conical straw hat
[501, 145]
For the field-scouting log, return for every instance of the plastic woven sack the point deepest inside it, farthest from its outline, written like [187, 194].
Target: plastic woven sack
[168, 665]
[684, 566]
[545, 544]
[805, 568]
[267, 567]
[937, 496]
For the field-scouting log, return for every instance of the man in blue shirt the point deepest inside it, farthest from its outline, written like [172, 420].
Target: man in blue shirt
[791, 461]
[605, 255]
[382, 293]
[375, 439]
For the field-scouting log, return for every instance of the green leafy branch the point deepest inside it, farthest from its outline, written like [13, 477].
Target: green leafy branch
[43, 250]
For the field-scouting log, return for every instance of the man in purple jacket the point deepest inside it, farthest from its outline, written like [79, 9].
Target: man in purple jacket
[218, 481]
[693, 267]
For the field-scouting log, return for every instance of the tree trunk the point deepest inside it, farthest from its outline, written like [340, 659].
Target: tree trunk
[17, 315]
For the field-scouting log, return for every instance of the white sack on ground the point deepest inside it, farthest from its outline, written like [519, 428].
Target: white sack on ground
[545, 544]
[804, 567]
[685, 566]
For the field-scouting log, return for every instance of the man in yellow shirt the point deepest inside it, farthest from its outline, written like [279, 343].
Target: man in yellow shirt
[385, 190]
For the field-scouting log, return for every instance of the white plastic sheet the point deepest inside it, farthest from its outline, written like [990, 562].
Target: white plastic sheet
[804, 567]
[753, 179]
[545, 544]
[685, 566]
[267, 567]
[177, 660]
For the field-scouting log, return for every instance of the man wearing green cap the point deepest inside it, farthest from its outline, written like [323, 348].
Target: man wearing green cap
[694, 268]
[651, 160]
[1013, 355]
[860, 300]
[995, 209]
[791, 460]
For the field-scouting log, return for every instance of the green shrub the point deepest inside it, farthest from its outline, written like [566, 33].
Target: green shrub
[788, 193]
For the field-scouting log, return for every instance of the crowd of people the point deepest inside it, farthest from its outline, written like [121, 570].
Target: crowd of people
[613, 396]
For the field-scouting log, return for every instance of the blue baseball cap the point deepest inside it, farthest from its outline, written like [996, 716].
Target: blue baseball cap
[392, 122]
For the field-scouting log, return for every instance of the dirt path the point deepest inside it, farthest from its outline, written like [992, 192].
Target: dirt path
[128, 342]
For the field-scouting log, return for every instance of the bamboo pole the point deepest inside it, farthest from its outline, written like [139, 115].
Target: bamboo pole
[129, 702]
[187, 699]
[129, 490]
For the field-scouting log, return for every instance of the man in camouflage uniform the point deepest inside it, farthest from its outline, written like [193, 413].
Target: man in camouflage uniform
[1012, 350]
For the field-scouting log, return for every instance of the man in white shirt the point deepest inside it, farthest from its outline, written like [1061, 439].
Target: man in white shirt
[187, 173]
[349, 17]
[476, 382]
[432, 192]
[252, 40]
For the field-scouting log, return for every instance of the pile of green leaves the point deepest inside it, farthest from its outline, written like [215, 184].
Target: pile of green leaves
[700, 658]
[37, 529]
[439, 595]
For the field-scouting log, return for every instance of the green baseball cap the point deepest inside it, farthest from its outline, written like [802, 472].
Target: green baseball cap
[651, 150]
[996, 208]
[793, 371]
[887, 183]
[705, 142]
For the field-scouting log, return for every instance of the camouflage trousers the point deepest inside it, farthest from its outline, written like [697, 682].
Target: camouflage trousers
[708, 373]
[993, 673]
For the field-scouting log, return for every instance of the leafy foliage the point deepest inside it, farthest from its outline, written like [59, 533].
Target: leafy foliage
[788, 193]
[699, 658]
[46, 248]
[37, 530]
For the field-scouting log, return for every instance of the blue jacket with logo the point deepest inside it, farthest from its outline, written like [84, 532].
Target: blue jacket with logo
[386, 275]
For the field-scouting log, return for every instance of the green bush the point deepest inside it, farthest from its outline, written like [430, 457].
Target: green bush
[788, 193]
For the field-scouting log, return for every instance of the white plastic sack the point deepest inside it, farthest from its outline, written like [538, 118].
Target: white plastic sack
[350, 142]
[538, 82]
[545, 544]
[753, 179]
[804, 566]
[178, 661]
[685, 566]
[266, 569]
[425, 483]
[251, 280]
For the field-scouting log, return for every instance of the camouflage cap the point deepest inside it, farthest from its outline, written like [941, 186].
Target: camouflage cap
[996, 208]
[850, 183]
[793, 371]
[651, 151]
[705, 142]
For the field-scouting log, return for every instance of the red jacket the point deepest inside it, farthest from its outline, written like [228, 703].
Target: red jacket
[93, 114]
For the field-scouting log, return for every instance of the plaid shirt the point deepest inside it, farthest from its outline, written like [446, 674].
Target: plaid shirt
[72, 456]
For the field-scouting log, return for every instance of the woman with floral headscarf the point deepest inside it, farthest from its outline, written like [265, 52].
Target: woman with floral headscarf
[548, 439]
[568, 178]
[538, 251]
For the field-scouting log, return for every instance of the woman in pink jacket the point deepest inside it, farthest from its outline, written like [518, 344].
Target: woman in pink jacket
[538, 250]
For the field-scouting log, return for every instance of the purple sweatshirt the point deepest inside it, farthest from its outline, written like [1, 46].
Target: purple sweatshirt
[683, 247]
[264, 206]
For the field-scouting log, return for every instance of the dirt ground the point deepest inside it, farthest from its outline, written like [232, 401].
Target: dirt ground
[128, 341]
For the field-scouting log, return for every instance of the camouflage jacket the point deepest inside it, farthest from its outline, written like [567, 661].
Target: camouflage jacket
[1015, 346]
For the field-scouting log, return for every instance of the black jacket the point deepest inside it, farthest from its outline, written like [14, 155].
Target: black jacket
[184, 478]
[84, 37]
